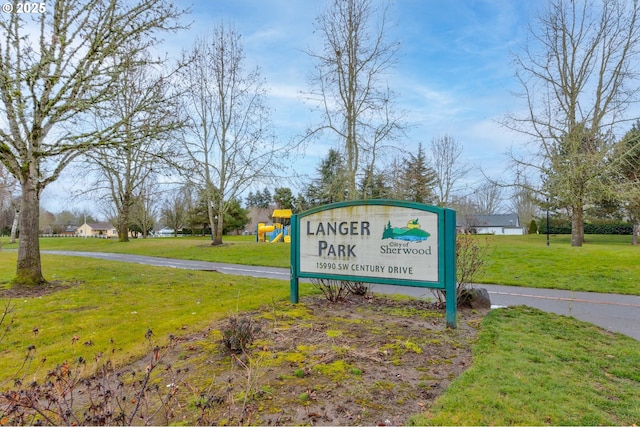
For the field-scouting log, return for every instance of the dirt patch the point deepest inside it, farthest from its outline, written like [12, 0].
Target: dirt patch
[371, 361]
[35, 291]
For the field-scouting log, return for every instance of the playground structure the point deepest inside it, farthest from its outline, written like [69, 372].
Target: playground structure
[279, 231]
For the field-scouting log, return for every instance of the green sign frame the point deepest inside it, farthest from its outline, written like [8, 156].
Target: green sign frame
[445, 241]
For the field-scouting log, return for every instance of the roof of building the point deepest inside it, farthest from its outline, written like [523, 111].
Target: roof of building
[497, 220]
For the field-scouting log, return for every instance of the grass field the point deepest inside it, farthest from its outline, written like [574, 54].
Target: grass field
[530, 367]
[236, 250]
[121, 301]
[536, 368]
[606, 264]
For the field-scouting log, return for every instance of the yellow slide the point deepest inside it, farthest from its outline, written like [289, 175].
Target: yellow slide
[278, 238]
[262, 229]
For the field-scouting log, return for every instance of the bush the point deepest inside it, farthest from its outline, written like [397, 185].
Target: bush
[608, 227]
[563, 226]
[533, 227]
[337, 290]
[333, 290]
[471, 254]
[556, 226]
[358, 288]
[92, 392]
[239, 333]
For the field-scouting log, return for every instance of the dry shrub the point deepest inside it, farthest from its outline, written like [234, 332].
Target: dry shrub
[333, 290]
[83, 392]
[358, 288]
[239, 333]
[471, 256]
[338, 290]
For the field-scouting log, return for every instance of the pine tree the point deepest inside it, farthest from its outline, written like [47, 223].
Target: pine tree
[418, 178]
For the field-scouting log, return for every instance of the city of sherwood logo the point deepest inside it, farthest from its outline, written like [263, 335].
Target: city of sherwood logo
[411, 232]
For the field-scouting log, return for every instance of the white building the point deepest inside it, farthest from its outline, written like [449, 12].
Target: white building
[499, 224]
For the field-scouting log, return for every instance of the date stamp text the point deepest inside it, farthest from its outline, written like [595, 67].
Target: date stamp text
[23, 7]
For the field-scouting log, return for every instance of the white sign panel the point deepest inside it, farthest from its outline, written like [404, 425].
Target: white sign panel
[371, 241]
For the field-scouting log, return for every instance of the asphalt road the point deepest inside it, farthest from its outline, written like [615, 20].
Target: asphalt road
[616, 313]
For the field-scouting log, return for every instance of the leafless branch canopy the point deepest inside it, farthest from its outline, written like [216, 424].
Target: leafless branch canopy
[578, 79]
[349, 82]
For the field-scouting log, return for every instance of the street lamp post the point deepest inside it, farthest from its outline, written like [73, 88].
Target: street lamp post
[547, 221]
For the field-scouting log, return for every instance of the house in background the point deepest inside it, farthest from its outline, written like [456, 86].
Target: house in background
[97, 229]
[69, 231]
[499, 224]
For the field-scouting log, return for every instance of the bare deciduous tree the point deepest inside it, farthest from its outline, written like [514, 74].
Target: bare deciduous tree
[524, 203]
[349, 85]
[175, 208]
[144, 147]
[56, 70]
[228, 138]
[447, 163]
[144, 211]
[577, 75]
[627, 176]
[487, 198]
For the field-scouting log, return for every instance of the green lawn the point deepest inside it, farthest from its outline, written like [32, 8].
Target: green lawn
[530, 367]
[236, 250]
[536, 368]
[120, 301]
[606, 264]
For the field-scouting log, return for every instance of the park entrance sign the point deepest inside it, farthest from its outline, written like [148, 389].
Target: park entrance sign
[377, 241]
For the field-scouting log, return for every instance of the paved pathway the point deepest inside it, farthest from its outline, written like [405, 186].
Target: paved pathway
[617, 313]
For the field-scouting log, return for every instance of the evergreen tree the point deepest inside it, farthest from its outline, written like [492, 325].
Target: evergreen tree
[374, 186]
[235, 218]
[330, 186]
[266, 198]
[418, 179]
[261, 199]
[283, 197]
[198, 217]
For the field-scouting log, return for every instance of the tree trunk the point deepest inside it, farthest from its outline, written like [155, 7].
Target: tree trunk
[634, 239]
[14, 226]
[218, 230]
[215, 221]
[123, 231]
[29, 267]
[577, 227]
[123, 220]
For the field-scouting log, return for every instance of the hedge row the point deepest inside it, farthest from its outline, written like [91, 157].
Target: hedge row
[602, 227]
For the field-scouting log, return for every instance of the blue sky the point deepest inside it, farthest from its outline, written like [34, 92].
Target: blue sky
[453, 74]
